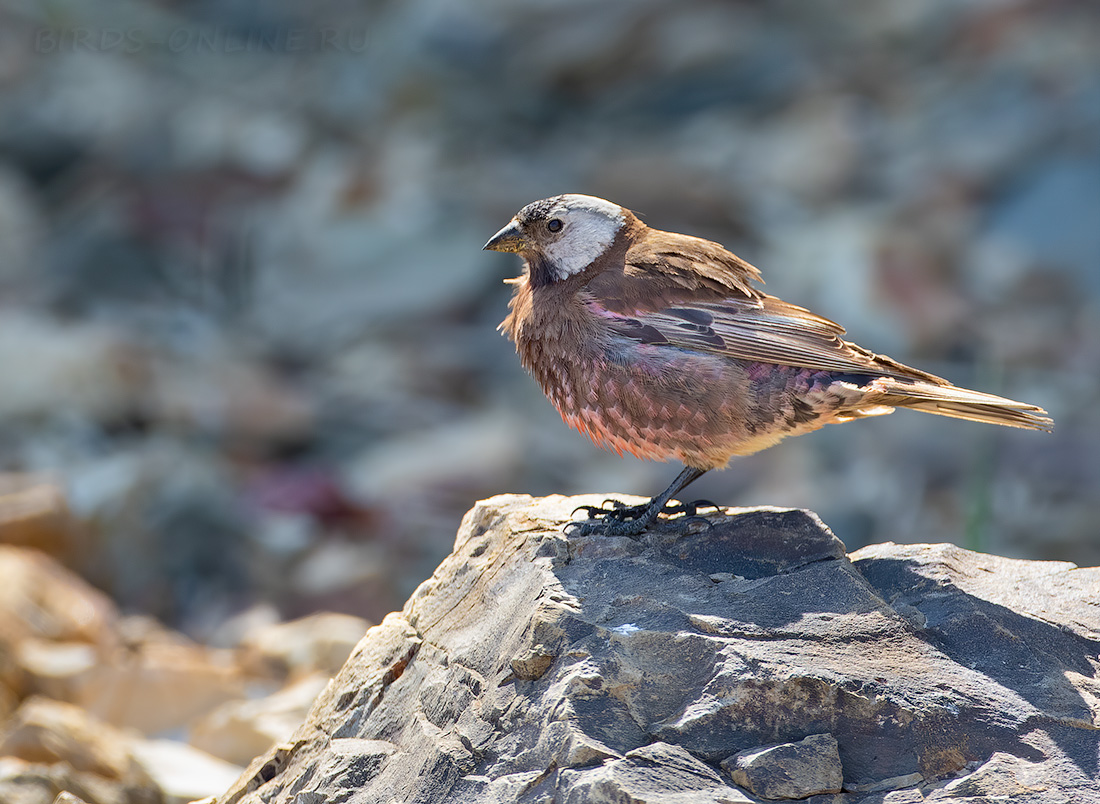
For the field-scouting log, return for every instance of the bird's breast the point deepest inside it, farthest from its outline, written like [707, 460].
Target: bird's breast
[654, 402]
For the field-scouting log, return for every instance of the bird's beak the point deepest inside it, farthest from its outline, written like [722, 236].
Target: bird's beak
[510, 238]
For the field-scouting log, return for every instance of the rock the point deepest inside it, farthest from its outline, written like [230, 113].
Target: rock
[532, 663]
[24, 782]
[58, 742]
[9, 700]
[1011, 778]
[789, 770]
[40, 598]
[57, 669]
[237, 731]
[183, 773]
[659, 670]
[79, 370]
[909, 796]
[20, 230]
[165, 514]
[227, 395]
[159, 687]
[1018, 624]
[888, 786]
[1031, 218]
[653, 774]
[33, 513]
[317, 643]
[65, 797]
[155, 682]
[439, 457]
[48, 731]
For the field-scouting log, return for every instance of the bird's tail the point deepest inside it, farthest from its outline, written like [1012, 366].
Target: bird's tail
[961, 403]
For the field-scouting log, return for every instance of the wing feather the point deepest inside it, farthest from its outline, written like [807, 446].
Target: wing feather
[682, 292]
[692, 293]
[766, 330]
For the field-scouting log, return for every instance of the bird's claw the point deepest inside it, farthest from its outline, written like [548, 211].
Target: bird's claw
[630, 528]
[632, 520]
[596, 511]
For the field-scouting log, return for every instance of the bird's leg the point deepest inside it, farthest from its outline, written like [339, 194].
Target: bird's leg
[631, 520]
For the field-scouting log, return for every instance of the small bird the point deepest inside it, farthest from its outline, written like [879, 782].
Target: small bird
[658, 344]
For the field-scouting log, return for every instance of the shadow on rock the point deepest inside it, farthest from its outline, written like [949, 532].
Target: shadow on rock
[1031, 627]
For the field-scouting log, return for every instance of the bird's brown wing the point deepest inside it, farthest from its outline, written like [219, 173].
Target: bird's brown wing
[663, 269]
[766, 330]
[694, 294]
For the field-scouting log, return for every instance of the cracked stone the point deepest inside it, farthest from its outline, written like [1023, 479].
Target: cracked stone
[660, 672]
[789, 770]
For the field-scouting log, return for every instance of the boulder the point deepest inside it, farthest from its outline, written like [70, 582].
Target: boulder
[40, 598]
[182, 772]
[159, 687]
[33, 513]
[50, 621]
[239, 730]
[297, 648]
[50, 731]
[65, 797]
[48, 747]
[535, 666]
[154, 686]
[23, 782]
[789, 770]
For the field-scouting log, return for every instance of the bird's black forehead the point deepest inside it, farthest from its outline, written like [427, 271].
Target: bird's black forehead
[538, 210]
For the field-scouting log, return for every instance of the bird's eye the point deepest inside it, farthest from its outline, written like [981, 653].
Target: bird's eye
[554, 225]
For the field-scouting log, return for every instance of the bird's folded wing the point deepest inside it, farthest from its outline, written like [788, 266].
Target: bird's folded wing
[694, 294]
[665, 269]
[766, 330]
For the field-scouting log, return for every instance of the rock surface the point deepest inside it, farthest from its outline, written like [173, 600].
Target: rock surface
[320, 642]
[239, 730]
[789, 770]
[535, 667]
[48, 747]
[181, 773]
[121, 710]
[34, 513]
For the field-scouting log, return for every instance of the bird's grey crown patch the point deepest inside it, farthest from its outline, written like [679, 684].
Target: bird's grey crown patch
[537, 210]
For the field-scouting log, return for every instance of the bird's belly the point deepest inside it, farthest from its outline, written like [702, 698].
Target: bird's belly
[655, 405]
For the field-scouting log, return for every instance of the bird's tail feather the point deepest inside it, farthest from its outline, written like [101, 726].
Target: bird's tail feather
[962, 403]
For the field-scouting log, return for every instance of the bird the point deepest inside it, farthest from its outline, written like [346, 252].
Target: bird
[661, 345]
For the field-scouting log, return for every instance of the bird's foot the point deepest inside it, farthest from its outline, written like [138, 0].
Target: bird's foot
[632, 520]
[631, 528]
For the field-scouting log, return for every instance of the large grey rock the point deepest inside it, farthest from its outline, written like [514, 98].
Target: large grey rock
[658, 773]
[789, 770]
[536, 667]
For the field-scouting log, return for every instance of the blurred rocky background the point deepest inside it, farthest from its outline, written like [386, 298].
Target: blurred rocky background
[247, 333]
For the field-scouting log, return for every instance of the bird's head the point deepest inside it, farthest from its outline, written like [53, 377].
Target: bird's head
[561, 236]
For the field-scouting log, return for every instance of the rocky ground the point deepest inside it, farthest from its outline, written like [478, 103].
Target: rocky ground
[742, 659]
[246, 325]
[119, 709]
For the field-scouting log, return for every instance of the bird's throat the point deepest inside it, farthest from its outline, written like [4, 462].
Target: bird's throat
[540, 269]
